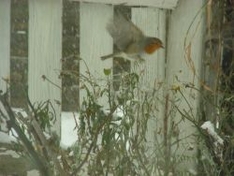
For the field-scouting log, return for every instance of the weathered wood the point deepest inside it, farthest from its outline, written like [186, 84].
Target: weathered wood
[152, 22]
[45, 48]
[5, 43]
[184, 58]
[151, 72]
[94, 43]
[166, 4]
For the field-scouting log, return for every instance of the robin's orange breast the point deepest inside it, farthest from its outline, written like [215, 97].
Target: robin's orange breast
[150, 48]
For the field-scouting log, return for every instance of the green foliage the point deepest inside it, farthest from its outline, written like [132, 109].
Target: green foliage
[45, 114]
[116, 139]
[107, 72]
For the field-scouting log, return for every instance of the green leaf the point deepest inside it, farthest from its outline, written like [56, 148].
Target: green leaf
[106, 71]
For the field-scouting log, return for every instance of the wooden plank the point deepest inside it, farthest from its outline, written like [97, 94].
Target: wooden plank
[185, 44]
[5, 44]
[45, 53]
[167, 4]
[152, 21]
[94, 43]
[184, 58]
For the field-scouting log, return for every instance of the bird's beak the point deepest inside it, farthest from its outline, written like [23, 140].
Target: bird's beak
[162, 46]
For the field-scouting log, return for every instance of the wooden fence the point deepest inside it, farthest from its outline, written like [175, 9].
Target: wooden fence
[181, 31]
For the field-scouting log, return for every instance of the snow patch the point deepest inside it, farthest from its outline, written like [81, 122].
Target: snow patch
[68, 129]
[209, 127]
[5, 138]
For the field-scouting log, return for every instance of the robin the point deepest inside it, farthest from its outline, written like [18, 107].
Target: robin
[130, 40]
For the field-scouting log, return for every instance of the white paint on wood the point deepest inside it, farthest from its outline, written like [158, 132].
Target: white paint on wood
[45, 49]
[94, 43]
[185, 43]
[152, 21]
[5, 43]
[167, 4]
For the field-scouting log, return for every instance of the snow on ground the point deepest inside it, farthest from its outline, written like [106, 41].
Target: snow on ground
[33, 173]
[68, 136]
[5, 138]
[68, 129]
[69, 121]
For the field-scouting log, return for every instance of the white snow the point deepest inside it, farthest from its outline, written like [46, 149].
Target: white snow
[20, 111]
[117, 115]
[33, 173]
[5, 138]
[68, 129]
[209, 127]
[12, 153]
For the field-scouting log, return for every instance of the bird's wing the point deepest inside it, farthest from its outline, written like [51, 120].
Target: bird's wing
[123, 31]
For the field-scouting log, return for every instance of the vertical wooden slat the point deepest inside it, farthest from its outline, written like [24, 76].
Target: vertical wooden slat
[185, 43]
[94, 43]
[45, 48]
[153, 23]
[5, 43]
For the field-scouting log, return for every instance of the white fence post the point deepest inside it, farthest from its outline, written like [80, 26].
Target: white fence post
[185, 43]
[152, 21]
[94, 42]
[5, 43]
[45, 53]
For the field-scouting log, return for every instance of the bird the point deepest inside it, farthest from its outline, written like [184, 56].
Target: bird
[129, 39]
